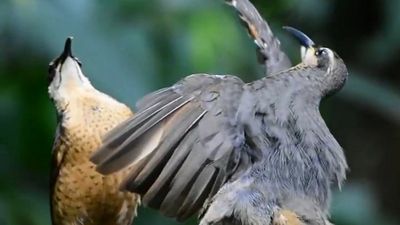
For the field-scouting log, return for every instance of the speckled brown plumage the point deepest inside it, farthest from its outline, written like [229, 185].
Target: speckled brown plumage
[80, 195]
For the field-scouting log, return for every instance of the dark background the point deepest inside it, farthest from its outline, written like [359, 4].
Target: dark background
[131, 47]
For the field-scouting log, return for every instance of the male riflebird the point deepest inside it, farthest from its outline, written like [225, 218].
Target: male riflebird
[235, 153]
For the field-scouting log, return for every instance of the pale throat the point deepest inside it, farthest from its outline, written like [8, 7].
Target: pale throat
[68, 84]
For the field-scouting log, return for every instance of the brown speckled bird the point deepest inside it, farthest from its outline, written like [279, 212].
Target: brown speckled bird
[80, 195]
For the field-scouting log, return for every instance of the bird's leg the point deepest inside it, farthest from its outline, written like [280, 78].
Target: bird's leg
[279, 219]
[239, 201]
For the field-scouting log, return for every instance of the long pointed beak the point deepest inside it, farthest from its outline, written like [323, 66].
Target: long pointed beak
[300, 36]
[67, 50]
[307, 49]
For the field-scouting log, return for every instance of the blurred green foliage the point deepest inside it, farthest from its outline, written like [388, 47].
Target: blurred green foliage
[131, 47]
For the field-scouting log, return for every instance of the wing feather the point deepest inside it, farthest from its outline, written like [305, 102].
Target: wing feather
[198, 193]
[183, 180]
[268, 45]
[180, 146]
[136, 148]
[152, 98]
[154, 196]
[176, 128]
[123, 131]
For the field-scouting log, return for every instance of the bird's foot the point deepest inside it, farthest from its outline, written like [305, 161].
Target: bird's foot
[286, 217]
[279, 219]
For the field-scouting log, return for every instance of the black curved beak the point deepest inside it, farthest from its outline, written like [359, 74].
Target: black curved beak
[300, 36]
[61, 59]
[67, 50]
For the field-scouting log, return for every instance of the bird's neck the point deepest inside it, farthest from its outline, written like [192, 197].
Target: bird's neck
[74, 102]
[70, 93]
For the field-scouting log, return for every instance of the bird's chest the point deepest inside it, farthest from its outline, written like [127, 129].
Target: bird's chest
[291, 161]
[78, 140]
[293, 168]
[80, 193]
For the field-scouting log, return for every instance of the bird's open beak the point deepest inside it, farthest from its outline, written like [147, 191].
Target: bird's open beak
[56, 63]
[307, 45]
[67, 53]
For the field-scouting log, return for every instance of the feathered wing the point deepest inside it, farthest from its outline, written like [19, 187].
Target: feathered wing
[268, 46]
[182, 145]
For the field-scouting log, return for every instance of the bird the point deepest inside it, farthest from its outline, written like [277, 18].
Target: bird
[234, 152]
[79, 194]
[271, 56]
[275, 60]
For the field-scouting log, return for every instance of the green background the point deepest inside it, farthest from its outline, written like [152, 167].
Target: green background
[131, 47]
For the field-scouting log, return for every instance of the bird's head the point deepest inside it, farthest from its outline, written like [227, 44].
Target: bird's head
[65, 75]
[323, 58]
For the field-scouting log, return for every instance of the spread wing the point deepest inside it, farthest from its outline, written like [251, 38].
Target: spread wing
[182, 145]
[268, 46]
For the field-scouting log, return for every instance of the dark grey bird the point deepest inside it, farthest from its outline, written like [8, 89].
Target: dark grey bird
[268, 46]
[235, 152]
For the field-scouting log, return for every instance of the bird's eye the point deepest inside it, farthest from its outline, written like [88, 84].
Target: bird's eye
[320, 51]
